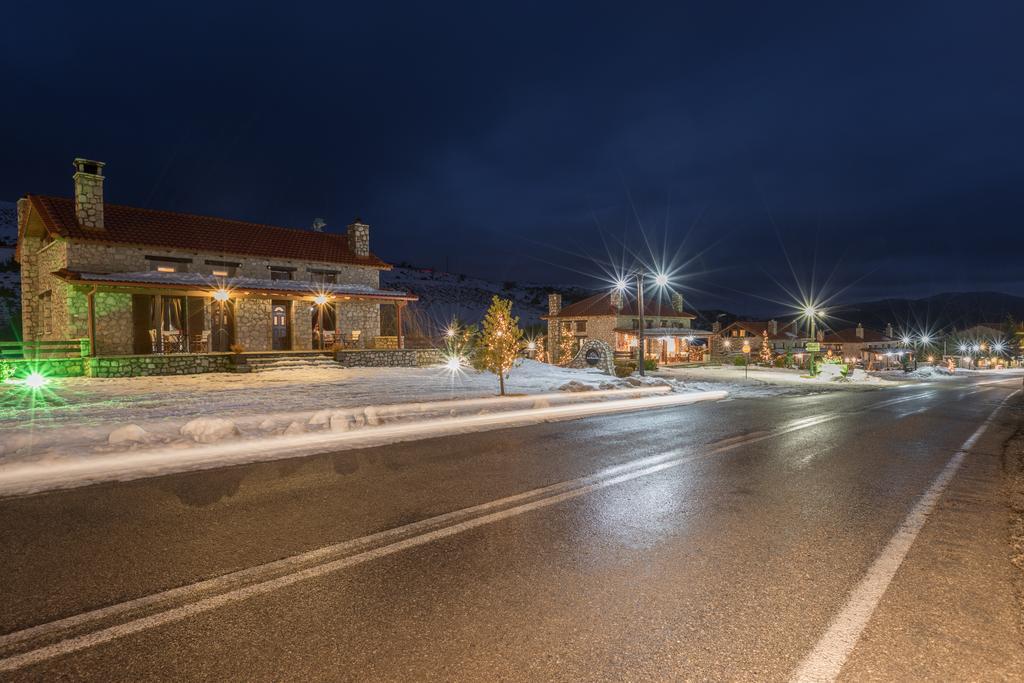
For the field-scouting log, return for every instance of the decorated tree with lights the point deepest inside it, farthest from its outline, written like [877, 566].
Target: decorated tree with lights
[500, 340]
[766, 350]
[566, 346]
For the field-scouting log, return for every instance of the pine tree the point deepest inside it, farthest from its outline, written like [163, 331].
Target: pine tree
[766, 350]
[500, 341]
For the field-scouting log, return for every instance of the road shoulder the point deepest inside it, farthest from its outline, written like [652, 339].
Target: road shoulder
[951, 612]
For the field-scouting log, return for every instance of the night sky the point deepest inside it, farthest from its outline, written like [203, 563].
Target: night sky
[878, 146]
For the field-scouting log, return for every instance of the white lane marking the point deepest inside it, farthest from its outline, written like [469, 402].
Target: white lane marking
[829, 655]
[554, 494]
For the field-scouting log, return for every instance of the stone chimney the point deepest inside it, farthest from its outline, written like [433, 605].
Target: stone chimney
[319, 224]
[616, 299]
[359, 238]
[554, 303]
[677, 302]
[22, 211]
[716, 327]
[860, 331]
[773, 328]
[888, 331]
[89, 193]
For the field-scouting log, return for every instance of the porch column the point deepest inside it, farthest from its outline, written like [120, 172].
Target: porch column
[91, 320]
[398, 323]
[158, 301]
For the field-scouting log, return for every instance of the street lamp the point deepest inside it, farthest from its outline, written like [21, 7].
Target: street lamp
[621, 284]
[811, 313]
[320, 300]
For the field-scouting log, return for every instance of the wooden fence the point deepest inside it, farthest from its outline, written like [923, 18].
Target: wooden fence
[35, 350]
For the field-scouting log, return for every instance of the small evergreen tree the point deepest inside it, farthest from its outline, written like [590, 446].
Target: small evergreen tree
[499, 343]
[766, 349]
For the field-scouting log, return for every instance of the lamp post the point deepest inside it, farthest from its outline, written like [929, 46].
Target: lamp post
[811, 313]
[661, 280]
[320, 300]
[746, 352]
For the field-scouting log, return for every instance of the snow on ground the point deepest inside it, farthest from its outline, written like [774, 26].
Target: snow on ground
[82, 415]
[761, 381]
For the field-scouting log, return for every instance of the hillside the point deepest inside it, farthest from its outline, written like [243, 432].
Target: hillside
[937, 312]
[448, 296]
[10, 283]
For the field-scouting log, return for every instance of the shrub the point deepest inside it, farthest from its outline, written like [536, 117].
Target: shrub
[625, 370]
[650, 364]
[6, 371]
[739, 361]
[781, 362]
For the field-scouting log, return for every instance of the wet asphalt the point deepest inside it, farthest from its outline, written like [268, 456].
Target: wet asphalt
[728, 565]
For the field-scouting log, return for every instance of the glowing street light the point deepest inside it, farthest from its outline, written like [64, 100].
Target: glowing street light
[320, 300]
[36, 380]
[221, 295]
[661, 280]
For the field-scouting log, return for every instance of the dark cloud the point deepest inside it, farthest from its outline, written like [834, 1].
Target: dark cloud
[876, 143]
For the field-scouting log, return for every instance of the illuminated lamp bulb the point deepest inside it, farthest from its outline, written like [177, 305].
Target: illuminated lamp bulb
[661, 279]
[220, 295]
[320, 300]
[35, 381]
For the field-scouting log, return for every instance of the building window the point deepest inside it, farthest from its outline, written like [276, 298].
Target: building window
[46, 312]
[323, 277]
[280, 273]
[168, 264]
[581, 327]
[636, 324]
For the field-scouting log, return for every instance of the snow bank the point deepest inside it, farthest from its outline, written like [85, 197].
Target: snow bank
[22, 477]
[209, 429]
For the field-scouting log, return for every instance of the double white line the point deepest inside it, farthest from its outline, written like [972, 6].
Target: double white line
[117, 621]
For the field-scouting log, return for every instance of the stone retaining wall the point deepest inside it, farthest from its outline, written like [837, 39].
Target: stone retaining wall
[51, 367]
[389, 358]
[174, 364]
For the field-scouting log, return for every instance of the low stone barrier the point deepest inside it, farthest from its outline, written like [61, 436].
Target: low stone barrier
[172, 364]
[389, 358]
[52, 367]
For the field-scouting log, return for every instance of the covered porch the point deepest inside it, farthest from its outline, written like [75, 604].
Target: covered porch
[191, 313]
[667, 346]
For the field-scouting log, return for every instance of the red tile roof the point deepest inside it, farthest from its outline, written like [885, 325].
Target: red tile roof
[601, 304]
[151, 228]
[849, 336]
[756, 328]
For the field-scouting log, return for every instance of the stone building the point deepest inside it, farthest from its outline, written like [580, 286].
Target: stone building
[860, 345]
[614, 318]
[141, 281]
[786, 337]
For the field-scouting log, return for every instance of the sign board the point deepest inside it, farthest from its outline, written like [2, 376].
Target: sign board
[813, 346]
[593, 357]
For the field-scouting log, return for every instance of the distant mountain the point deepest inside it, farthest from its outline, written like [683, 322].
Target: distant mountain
[447, 296]
[951, 310]
[10, 278]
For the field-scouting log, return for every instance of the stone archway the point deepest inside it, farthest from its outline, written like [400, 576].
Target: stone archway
[595, 353]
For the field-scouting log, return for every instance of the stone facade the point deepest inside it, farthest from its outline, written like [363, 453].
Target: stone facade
[390, 358]
[176, 364]
[359, 238]
[54, 309]
[89, 193]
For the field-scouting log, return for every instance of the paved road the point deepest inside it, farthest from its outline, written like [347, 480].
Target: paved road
[738, 540]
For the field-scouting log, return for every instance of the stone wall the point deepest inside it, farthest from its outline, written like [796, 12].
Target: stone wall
[174, 364]
[103, 258]
[362, 316]
[252, 324]
[51, 367]
[389, 358]
[113, 319]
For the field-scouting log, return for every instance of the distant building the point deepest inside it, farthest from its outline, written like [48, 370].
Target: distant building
[614, 318]
[140, 281]
[782, 337]
[857, 344]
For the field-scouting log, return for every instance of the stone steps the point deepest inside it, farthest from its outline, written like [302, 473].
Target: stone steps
[268, 364]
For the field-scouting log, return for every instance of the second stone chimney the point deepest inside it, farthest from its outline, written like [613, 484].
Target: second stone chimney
[888, 331]
[359, 238]
[554, 303]
[773, 328]
[677, 302]
[89, 193]
[860, 331]
[616, 299]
